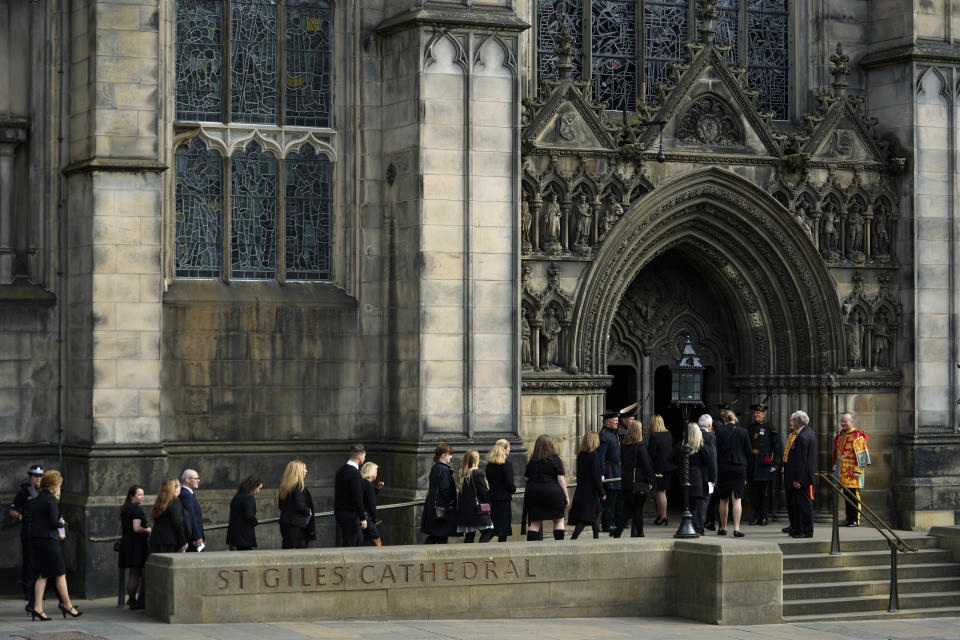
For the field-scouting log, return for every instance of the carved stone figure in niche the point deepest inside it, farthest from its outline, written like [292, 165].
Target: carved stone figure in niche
[828, 233]
[855, 233]
[881, 346]
[855, 342]
[584, 218]
[803, 220]
[526, 353]
[881, 236]
[553, 222]
[708, 121]
[550, 354]
[610, 216]
[526, 221]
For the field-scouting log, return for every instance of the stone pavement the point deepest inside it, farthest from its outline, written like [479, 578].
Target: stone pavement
[102, 619]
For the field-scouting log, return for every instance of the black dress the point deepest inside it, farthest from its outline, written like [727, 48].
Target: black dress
[586, 498]
[44, 537]
[473, 492]
[660, 448]
[733, 456]
[243, 518]
[133, 546]
[441, 491]
[502, 488]
[369, 490]
[545, 499]
[170, 529]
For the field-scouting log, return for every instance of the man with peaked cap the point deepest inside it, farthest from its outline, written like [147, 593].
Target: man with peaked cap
[20, 509]
[609, 452]
[765, 443]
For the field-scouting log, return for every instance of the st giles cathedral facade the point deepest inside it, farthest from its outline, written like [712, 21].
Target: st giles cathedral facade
[238, 232]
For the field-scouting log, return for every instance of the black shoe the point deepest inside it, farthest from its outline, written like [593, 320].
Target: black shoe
[74, 612]
[786, 530]
[710, 526]
[721, 532]
[763, 522]
[851, 523]
[738, 534]
[657, 520]
[34, 614]
[136, 606]
[755, 521]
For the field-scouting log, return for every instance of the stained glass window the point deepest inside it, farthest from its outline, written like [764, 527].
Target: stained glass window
[253, 214]
[727, 28]
[307, 232]
[614, 59]
[551, 14]
[307, 73]
[199, 59]
[768, 54]
[198, 217]
[253, 61]
[664, 32]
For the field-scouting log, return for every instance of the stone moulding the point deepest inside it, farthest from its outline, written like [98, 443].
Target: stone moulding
[550, 384]
[643, 577]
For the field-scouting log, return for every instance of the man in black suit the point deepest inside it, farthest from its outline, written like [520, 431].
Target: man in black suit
[189, 483]
[800, 466]
[348, 498]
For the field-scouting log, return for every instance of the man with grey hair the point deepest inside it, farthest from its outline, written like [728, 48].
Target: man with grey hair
[710, 444]
[190, 482]
[799, 468]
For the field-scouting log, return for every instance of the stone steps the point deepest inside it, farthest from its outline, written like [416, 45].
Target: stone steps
[856, 584]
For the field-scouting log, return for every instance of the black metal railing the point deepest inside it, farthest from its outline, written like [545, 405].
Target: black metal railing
[895, 542]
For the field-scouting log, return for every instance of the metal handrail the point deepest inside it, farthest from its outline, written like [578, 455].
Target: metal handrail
[895, 542]
[329, 514]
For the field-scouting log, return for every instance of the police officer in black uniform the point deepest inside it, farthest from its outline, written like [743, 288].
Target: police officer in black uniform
[21, 509]
[767, 454]
[609, 451]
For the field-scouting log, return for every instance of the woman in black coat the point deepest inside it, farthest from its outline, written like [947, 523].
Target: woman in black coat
[546, 495]
[170, 521]
[440, 507]
[241, 535]
[701, 465]
[586, 508]
[296, 509]
[369, 487]
[135, 535]
[638, 480]
[45, 536]
[499, 475]
[473, 492]
[660, 449]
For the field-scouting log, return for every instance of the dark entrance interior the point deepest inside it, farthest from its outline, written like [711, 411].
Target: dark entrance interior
[623, 391]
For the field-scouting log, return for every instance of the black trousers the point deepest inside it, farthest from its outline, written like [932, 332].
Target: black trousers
[351, 535]
[28, 575]
[801, 510]
[631, 509]
[758, 493]
[853, 513]
[696, 510]
[612, 509]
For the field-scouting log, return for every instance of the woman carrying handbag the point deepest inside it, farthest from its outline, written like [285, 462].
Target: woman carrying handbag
[439, 510]
[473, 512]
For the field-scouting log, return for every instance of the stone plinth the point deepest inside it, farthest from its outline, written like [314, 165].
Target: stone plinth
[721, 582]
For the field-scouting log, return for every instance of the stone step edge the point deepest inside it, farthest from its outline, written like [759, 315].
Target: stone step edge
[853, 583]
[875, 615]
[860, 599]
[884, 553]
[862, 567]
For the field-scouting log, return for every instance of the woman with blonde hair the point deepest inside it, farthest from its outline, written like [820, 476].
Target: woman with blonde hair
[499, 475]
[170, 521]
[638, 480]
[701, 465]
[46, 532]
[294, 503]
[473, 509]
[660, 448]
[546, 495]
[585, 509]
[370, 487]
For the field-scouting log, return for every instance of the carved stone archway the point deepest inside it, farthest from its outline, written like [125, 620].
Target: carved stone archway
[788, 309]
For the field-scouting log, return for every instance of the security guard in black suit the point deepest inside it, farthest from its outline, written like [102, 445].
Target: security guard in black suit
[767, 453]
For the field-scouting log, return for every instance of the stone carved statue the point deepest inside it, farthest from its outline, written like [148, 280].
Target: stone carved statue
[552, 223]
[526, 221]
[828, 232]
[855, 233]
[881, 236]
[610, 217]
[855, 342]
[526, 353]
[550, 354]
[881, 347]
[584, 218]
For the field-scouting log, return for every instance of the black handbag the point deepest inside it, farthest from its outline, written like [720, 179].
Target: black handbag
[640, 489]
[440, 513]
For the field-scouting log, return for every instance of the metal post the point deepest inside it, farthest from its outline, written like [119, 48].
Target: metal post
[835, 529]
[686, 529]
[894, 606]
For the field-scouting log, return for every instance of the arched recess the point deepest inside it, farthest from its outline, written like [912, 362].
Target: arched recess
[786, 302]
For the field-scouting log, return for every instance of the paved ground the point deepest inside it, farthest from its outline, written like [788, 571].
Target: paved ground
[102, 619]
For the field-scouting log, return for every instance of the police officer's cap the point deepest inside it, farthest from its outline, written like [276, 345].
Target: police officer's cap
[758, 407]
[606, 415]
[725, 406]
[35, 470]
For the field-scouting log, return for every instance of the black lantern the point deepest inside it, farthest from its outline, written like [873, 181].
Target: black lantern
[687, 392]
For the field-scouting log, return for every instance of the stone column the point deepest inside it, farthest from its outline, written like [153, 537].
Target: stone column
[10, 138]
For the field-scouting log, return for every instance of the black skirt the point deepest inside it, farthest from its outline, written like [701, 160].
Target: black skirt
[133, 551]
[544, 501]
[663, 482]
[47, 558]
[502, 518]
[731, 481]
